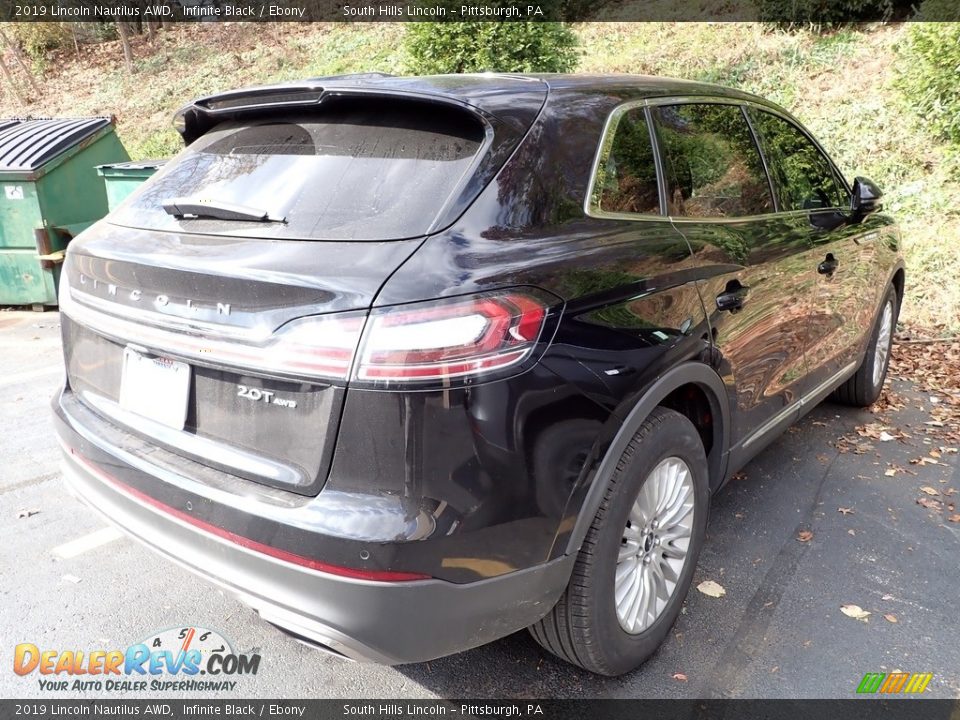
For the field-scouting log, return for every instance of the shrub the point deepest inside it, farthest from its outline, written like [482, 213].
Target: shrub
[458, 47]
[929, 65]
[825, 14]
[38, 37]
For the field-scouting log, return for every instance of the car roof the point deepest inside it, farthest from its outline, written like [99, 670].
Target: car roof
[639, 86]
[506, 94]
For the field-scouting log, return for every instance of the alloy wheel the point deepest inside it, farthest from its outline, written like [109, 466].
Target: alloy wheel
[655, 545]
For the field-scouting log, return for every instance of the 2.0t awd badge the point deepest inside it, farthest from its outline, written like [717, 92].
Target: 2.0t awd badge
[266, 396]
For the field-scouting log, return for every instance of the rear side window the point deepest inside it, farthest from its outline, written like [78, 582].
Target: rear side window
[804, 177]
[712, 165]
[353, 172]
[626, 180]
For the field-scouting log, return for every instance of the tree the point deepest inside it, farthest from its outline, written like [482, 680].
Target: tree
[124, 32]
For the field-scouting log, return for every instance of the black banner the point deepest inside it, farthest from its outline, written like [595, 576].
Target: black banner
[854, 709]
[781, 11]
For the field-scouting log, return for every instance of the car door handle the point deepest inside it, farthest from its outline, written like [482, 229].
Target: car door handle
[829, 265]
[733, 297]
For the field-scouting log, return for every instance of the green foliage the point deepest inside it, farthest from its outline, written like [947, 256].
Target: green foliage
[160, 144]
[928, 72]
[37, 37]
[826, 14]
[458, 47]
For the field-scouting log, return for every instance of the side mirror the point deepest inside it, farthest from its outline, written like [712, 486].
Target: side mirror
[866, 198]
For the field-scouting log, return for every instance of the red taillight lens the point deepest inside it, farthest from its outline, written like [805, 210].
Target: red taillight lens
[450, 339]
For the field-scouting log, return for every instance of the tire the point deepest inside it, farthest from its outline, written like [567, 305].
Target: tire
[585, 627]
[866, 384]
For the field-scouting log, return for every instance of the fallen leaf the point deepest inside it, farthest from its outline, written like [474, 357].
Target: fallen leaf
[890, 472]
[805, 536]
[711, 589]
[930, 504]
[949, 491]
[887, 597]
[845, 511]
[886, 437]
[855, 611]
[927, 490]
[851, 532]
[954, 518]
[26, 513]
[679, 677]
[890, 617]
[935, 453]
[775, 668]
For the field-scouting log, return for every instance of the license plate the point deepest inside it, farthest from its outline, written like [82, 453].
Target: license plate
[155, 387]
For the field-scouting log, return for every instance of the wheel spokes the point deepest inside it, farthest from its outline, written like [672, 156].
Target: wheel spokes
[654, 546]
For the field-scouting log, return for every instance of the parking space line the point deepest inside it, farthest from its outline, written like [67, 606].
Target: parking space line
[87, 542]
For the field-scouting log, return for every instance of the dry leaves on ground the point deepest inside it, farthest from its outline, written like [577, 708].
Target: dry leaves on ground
[930, 504]
[711, 589]
[679, 677]
[890, 617]
[855, 611]
[804, 536]
[845, 511]
[933, 364]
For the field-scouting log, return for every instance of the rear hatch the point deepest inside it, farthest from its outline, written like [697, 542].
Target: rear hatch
[229, 339]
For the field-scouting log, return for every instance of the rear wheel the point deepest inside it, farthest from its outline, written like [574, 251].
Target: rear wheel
[865, 386]
[637, 560]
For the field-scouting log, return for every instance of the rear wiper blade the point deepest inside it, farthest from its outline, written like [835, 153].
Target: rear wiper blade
[216, 209]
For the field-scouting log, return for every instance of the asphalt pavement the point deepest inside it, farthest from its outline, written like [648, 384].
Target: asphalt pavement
[778, 632]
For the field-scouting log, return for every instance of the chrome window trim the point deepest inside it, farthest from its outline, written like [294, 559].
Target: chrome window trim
[790, 120]
[603, 152]
[650, 102]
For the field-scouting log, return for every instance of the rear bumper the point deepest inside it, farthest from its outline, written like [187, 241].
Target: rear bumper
[385, 622]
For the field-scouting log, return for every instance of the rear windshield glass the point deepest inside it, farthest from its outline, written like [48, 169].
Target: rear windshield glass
[358, 172]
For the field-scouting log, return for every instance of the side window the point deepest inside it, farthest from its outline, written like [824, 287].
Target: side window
[626, 180]
[804, 177]
[713, 167]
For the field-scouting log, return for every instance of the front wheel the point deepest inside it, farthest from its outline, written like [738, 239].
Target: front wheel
[865, 386]
[638, 558]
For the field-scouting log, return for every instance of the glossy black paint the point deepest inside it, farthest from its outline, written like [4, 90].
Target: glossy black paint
[475, 482]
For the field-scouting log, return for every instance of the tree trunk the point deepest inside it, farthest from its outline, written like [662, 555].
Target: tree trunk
[10, 81]
[18, 56]
[124, 34]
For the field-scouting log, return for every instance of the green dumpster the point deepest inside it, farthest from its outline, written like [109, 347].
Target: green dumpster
[49, 192]
[121, 179]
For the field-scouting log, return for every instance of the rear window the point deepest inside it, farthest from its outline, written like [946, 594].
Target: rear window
[356, 172]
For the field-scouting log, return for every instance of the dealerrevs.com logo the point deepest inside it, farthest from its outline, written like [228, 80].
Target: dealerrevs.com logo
[186, 659]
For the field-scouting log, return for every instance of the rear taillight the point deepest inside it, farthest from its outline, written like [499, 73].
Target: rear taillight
[450, 339]
[429, 342]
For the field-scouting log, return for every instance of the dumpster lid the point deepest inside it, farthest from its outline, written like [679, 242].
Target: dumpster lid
[29, 144]
[134, 165]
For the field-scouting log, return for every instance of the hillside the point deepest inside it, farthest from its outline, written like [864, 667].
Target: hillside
[840, 84]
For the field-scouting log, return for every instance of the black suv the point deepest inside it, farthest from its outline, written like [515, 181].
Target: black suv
[409, 364]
